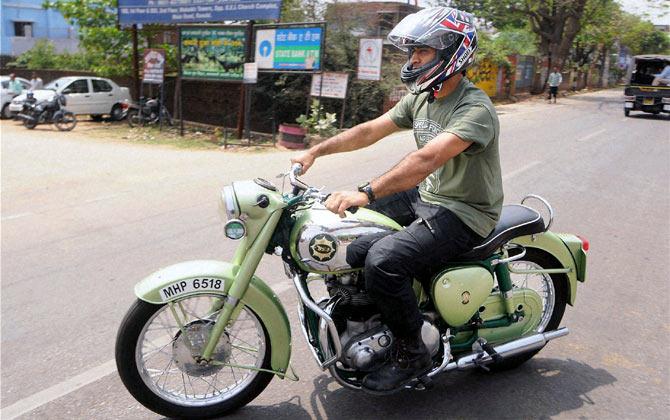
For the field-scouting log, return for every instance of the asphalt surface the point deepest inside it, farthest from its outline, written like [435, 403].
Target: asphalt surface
[84, 219]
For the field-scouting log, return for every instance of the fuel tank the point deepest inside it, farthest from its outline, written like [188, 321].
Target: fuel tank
[319, 238]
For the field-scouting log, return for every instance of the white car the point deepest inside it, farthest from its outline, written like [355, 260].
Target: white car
[95, 96]
[7, 94]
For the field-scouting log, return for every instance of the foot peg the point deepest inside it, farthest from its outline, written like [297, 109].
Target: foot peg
[482, 347]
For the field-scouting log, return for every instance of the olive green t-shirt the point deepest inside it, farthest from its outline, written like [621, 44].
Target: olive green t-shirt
[470, 184]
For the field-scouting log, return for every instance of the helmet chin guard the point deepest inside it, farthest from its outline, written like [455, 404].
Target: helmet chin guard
[449, 31]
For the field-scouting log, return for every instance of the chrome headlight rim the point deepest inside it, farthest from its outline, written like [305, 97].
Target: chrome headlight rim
[230, 202]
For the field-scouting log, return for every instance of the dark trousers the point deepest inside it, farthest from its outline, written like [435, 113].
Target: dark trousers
[433, 236]
[553, 91]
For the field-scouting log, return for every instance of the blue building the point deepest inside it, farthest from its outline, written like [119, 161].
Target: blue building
[24, 22]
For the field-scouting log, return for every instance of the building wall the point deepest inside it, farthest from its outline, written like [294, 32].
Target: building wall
[44, 24]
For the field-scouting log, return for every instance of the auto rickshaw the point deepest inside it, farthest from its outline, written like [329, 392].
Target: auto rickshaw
[645, 91]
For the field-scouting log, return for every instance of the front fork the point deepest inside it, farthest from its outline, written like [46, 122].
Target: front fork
[230, 307]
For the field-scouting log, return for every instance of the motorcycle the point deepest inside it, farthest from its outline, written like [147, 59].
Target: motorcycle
[47, 112]
[148, 111]
[206, 337]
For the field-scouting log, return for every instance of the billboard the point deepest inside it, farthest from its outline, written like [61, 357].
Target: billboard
[184, 11]
[154, 65]
[370, 59]
[289, 48]
[213, 53]
[334, 85]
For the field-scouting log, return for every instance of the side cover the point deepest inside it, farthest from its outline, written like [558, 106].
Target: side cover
[259, 298]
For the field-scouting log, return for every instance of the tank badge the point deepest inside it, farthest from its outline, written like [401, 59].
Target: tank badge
[322, 247]
[466, 298]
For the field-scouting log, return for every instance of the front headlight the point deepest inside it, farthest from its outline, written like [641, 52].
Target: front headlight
[228, 207]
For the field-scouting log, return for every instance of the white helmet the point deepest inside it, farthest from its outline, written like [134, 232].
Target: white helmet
[451, 32]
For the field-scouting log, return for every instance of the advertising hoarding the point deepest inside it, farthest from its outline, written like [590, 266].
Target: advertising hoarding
[184, 11]
[370, 59]
[213, 52]
[334, 85]
[289, 48]
[154, 65]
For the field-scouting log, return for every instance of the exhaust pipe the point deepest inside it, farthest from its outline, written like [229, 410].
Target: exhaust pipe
[513, 348]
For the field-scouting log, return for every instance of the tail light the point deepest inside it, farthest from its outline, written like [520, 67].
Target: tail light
[124, 105]
[585, 243]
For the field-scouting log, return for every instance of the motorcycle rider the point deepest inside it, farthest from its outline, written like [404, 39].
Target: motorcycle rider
[457, 169]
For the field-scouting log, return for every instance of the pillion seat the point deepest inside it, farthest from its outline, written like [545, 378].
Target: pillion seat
[515, 220]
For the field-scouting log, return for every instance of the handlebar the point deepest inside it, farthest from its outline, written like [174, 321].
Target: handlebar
[299, 186]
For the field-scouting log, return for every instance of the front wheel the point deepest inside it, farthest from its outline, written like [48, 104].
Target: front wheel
[154, 357]
[626, 112]
[30, 123]
[553, 290]
[135, 119]
[67, 122]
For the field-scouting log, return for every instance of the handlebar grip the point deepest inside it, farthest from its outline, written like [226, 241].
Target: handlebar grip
[352, 209]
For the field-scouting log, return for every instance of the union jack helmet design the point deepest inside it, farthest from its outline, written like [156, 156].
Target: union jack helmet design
[450, 31]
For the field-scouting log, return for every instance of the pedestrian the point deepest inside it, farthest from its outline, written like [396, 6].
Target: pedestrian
[555, 80]
[459, 195]
[36, 82]
[662, 77]
[14, 85]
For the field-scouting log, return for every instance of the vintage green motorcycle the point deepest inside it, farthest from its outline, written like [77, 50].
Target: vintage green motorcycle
[206, 337]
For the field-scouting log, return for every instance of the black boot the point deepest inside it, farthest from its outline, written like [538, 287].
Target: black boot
[409, 359]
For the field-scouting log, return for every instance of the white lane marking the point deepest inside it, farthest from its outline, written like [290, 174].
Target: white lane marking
[104, 197]
[516, 172]
[68, 386]
[592, 135]
[28, 404]
[16, 216]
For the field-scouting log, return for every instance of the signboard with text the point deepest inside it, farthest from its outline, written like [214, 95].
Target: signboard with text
[334, 85]
[289, 48]
[154, 65]
[184, 11]
[370, 59]
[213, 53]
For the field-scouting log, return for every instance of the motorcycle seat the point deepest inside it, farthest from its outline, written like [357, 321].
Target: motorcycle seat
[515, 220]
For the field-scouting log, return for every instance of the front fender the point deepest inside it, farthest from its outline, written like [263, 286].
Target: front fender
[258, 297]
[554, 245]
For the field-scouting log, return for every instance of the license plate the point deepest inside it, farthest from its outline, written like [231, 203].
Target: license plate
[648, 101]
[628, 105]
[184, 287]
[666, 107]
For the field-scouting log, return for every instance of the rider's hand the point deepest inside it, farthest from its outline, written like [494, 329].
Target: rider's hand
[339, 201]
[306, 159]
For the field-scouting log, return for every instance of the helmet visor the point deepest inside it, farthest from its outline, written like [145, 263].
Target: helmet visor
[425, 28]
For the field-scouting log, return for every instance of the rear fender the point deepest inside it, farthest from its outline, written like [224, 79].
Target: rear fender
[258, 297]
[552, 244]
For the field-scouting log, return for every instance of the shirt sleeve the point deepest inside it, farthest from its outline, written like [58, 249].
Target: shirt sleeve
[401, 113]
[472, 123]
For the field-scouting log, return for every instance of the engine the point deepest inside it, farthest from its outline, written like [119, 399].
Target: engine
[365, 339]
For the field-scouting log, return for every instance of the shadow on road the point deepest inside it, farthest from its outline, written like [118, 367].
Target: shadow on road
[540, 388]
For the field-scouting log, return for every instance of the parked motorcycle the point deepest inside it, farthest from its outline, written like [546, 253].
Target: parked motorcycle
[148, 111]
[47, 112]
[206, 337]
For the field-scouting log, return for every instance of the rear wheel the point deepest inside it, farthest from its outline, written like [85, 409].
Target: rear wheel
[6, 113]
[155, 359]
[626, 112]
[553, 290]
[67, 122]
[30, 123]
[117, 113]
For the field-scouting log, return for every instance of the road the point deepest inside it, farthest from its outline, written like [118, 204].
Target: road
[84, 219]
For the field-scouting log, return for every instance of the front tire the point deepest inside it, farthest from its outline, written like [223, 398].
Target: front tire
[67, 122]
[117, 113]
[626, 112]
[156, 368]
[552, 288]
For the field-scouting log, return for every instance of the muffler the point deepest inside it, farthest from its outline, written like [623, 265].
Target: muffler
[513, 348]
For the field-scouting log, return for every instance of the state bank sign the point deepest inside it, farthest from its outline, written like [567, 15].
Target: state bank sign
[189, 11]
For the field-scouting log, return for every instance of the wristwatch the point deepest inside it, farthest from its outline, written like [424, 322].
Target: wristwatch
[367, 189]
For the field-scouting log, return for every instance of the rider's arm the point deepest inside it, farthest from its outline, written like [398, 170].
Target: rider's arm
[416, 166]
[355, 138]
